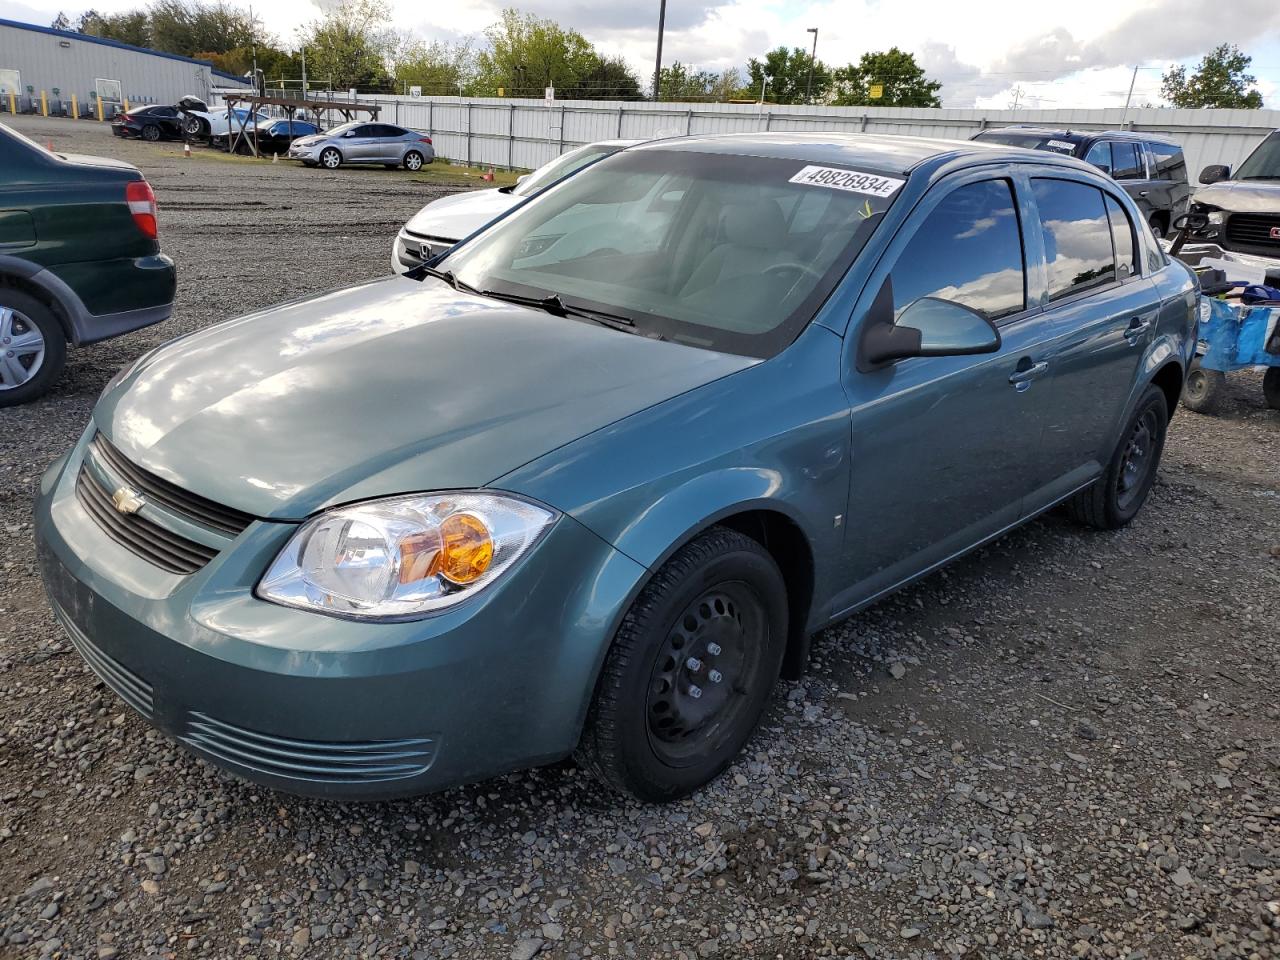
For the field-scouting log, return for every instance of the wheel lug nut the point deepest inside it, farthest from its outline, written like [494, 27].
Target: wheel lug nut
[694, 664]
[695, 692]
[713, 649]
[715, 676]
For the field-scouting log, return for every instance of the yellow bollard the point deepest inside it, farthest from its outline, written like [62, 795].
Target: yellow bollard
[44, 105]
[100, 116]
[75, 108]
[126, 104]
[13, 102]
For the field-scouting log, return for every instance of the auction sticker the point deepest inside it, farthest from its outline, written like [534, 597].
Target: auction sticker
[849, 180]
[1062, 145]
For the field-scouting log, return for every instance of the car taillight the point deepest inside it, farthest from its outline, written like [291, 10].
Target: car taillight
[142, 205]
[424, 139]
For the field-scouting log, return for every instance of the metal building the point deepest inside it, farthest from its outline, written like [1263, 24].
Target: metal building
[61, 63]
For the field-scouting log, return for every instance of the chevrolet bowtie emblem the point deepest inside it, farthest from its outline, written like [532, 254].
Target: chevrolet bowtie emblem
[127, 500]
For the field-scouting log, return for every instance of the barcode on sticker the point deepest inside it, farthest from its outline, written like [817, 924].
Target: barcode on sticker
[851, 180]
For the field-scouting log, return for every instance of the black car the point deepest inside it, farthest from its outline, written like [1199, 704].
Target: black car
[149, 123]
[275, 136]
[1151, 170]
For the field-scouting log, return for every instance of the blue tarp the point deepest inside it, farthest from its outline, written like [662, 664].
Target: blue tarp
[1236, 336]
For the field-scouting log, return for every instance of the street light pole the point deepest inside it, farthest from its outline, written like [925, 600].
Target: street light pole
[657, 68]
[808, 87]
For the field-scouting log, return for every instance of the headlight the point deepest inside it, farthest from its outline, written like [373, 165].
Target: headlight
[404, 557]
[1217, 217]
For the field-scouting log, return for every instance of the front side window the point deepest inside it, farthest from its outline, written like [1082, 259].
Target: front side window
[1264, 162]
[693, 247]
[1100, 156]
[1126, 161]
[968, 250]
[1167, 161]
[1077, 236]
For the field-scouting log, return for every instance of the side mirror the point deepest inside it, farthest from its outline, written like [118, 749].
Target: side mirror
[929, 327]
[522, 178]
[349, 133]
[1215, 173]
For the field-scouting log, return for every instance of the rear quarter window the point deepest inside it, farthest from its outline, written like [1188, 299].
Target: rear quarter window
[1167, 162]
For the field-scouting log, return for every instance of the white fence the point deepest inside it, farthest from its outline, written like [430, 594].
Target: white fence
[524, 134]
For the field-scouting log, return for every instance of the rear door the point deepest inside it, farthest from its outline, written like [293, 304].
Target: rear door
[945, 449]
[1170, 190]
[1129, 169]
[389, 143]
[1101, 313]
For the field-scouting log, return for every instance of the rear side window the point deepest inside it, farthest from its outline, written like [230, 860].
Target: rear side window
[1126, 161]
[1167, 162]
[1100, 155]
[1077, 236]
[1123, 240]
[969, 250]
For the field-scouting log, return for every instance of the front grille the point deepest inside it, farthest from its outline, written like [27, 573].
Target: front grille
[367, 761]
[128, 686]
[167, 550]
[1249, 232]
[159, 491]
[426, 245]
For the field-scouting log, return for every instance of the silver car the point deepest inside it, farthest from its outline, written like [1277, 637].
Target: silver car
[365, 142]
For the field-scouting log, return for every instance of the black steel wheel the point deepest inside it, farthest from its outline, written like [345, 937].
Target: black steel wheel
[1271, 387]
[1204, 390]
[1123, 487]
[690, 669]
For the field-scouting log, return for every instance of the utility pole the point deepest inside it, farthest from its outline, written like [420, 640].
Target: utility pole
[764, 86]
[1132, 80]
[1017, 95]
[304, 72]
[657, 68]
[808, 87]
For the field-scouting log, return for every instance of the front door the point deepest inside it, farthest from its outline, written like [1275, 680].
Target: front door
[944, 449]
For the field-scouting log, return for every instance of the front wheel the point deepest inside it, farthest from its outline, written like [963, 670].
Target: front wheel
[689, 671]
[194, 127]
[1122, 489]
[32, 347]
[1204, 389]
[330, 158]
[413, 160]
[1271, 387]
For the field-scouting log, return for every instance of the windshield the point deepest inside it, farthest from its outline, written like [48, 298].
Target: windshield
[731, 253]
[560, 167]
[1030, 141]
[1264, 162]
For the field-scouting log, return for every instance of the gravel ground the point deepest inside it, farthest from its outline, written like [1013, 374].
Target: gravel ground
[1066, 745]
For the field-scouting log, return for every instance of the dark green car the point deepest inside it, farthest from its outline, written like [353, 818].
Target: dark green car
[79, 260]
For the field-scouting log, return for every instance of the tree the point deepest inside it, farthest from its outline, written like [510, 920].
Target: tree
[349, 47]
[438, 68]
[1219, 81]
[61, 22]
[678, 82]
[186, 26]
[527, 53]
[788, 72]
[903, 82]
[132, 27]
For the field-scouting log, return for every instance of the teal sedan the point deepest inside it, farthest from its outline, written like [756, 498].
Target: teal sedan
[544, 497]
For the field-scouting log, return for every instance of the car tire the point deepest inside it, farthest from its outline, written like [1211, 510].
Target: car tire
[330, 158]
[23, 318]
[195, 127]
[1204, 390]
[413, 160]
[1158, 226]
[1271, 387]
[689, 671]
[151, 133]
[1120, 492]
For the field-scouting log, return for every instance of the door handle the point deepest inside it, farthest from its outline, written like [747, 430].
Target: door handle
[1143, 193]
[1024, 375]
[1137, 328]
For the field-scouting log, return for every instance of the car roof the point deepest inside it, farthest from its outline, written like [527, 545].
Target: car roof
[1078, 136]
[875, 150]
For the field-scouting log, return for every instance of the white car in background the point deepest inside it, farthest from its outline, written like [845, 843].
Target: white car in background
[442, 223]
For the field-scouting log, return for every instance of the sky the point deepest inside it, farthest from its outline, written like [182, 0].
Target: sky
[1047, 55]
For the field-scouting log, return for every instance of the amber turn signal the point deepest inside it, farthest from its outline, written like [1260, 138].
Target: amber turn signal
[468, 548]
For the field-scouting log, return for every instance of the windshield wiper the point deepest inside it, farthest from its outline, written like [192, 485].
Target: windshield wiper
[558, 308]
[422, 270]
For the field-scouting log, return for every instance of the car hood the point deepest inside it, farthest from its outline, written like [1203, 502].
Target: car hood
[1242, 196]
[459, 216]
[390, 387]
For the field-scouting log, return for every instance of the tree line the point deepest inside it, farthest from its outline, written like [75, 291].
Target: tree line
[521, 54]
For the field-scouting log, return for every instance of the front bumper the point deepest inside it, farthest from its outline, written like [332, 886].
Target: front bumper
[332, 708]
[310, 153]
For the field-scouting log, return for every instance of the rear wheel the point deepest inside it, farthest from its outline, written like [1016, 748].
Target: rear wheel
[690, 669]
[151, 133]
[1158, 225]
[330, 158]
[1204, 389]
[1122, 489]
[413, 160]
[1271, 387]
[32, 347]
